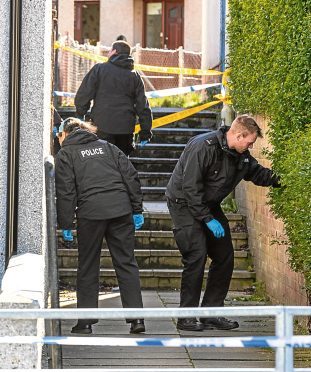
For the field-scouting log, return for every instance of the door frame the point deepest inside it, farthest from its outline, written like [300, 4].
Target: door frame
[164, 28]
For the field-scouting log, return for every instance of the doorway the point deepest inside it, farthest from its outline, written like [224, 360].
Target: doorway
[163, 24]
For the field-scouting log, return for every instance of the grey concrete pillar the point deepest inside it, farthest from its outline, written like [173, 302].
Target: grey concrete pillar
[35, 122]
[4, 104]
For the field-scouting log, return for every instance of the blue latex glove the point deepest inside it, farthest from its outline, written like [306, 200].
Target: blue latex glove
[55, 131]
[138, 220]
[216, 228]
[142, 143]
[67, 235]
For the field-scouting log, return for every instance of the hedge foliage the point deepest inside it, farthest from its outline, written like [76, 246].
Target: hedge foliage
[270, 56]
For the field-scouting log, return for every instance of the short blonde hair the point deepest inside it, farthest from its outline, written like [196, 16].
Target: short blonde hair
[245, 123]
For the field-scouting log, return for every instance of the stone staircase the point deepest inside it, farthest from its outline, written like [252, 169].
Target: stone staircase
[156, 251]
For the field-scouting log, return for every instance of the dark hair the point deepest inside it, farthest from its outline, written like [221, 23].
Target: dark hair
[247, 123]
[121, 37]
[122, 47]
[71, 124]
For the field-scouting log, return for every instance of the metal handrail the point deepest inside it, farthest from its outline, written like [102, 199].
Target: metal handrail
[283, 341]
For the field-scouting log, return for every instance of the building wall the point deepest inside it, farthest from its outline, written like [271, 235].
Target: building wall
[271, 259]
[192, 25]
[66, 18]
[115, 20]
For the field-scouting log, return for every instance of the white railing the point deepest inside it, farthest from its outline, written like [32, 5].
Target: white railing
[283, 342]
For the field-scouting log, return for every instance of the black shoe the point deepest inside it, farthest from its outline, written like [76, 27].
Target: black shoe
[137, 326]
[189, 324]
[84, 329]
[219, 323]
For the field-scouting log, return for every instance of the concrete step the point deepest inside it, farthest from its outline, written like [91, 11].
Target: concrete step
[159, 221]
[146, 239]
[147, 259]
[159, 278]
[154, 179]
[160, 150]
[175, 135]
[153, 193]
[154, 164]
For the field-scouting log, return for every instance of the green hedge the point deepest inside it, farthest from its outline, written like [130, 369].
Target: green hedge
[270, 54]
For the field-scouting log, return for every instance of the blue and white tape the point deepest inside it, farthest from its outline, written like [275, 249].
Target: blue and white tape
[157, 93]
[241, 342]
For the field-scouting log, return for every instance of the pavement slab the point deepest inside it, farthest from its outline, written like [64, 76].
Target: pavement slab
[115, 357]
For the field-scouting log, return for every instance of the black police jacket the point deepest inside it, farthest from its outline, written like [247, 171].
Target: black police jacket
[95, 177]
[119, 97]
[207, 171]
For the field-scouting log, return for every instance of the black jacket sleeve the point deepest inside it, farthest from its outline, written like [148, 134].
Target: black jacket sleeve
[131, 181]
[260, 175]
[66, 193]
[143, 110]
[86, 91]
[193, 183]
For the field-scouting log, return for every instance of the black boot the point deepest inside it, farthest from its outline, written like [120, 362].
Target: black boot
[219, 323]
[84, 329]
[137, 326]
[189, 324]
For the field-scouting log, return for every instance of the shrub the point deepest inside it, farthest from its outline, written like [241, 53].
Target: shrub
[270, 49]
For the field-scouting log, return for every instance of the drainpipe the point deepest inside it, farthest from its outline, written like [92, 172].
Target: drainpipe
[13, 129]
[227, 113]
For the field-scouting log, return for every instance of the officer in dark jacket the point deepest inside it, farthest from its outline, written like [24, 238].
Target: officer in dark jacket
[97, 182]
[119, 97]
[209, 168]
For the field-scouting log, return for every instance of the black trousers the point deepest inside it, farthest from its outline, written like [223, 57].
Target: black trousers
[196, 242]
[125, 142]
[119, 234]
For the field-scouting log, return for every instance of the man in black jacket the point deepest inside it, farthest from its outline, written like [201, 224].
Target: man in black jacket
[209, 168]
[98, 183]
[119, 97]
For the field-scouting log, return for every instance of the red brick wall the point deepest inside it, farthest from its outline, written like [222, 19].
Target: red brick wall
[270, 259]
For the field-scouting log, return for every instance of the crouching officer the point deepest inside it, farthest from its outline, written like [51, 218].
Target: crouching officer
[209, 168]
[95, 180]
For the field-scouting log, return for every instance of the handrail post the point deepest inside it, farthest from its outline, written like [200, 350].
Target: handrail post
[56, 351]
[284, 355]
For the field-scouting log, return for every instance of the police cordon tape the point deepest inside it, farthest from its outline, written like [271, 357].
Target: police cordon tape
[178, 115]
[156, 93]
[219, 342]
[185, 113]
[140, 67]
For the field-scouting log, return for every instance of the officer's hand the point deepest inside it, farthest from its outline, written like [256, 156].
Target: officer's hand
[142, 143]
[67, 235]
[216, 228]
[138, 220]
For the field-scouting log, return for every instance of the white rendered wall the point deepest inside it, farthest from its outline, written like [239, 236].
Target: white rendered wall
[66, 18]
[116, 17]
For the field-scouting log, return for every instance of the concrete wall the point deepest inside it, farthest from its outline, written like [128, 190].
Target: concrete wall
[116, 19]
[4, 101]
[22, 288]
[66, 18]
[271, 260]
[35, 127]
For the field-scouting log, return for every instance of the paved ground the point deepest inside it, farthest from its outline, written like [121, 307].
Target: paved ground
[132, 357]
